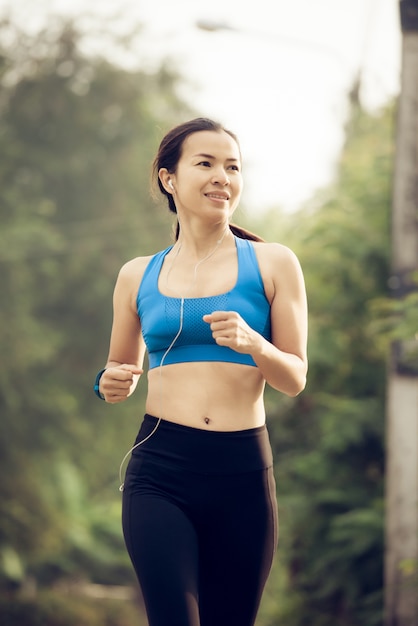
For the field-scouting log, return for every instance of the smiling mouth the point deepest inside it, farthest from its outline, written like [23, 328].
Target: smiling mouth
[217, 196]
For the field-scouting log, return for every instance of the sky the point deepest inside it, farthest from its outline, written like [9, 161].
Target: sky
[278, 73]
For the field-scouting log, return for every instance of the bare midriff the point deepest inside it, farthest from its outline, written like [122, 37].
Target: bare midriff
[209, 395]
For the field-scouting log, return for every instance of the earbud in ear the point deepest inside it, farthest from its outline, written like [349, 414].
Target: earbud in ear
[170, 184]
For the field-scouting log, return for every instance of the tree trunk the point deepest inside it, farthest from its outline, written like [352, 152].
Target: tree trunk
[401, 563]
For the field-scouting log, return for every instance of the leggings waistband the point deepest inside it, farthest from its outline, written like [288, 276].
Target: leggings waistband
[204, 451]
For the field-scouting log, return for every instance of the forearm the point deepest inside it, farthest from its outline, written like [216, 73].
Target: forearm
[283, 371]
[127, 348]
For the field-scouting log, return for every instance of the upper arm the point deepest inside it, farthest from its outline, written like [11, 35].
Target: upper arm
[289, 310]
[126, 341]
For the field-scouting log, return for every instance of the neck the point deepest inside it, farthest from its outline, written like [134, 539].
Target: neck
[199, 245]
[181, 248]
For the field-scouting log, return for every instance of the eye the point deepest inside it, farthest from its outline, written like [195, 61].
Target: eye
[204, 163]
[234, 167]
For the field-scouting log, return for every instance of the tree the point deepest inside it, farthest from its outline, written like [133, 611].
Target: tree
[77, 138]
[329, 442]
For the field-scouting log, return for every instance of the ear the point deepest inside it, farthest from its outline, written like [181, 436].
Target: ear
[166, 180]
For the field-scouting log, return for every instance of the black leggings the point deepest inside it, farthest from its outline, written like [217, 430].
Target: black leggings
[200, 523]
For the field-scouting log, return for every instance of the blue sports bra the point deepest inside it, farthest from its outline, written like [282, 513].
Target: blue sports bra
[160, 315]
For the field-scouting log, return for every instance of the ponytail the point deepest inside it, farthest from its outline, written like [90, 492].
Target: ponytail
[243, 233]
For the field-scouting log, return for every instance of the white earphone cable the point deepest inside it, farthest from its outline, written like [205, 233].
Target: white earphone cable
[121, 481]
[218, 243]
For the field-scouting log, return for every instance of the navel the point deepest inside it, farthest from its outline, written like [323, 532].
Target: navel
[206, 420]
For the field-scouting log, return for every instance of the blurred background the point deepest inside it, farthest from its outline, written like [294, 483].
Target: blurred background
[87, 92]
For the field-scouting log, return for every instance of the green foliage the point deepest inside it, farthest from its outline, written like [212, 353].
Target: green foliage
[329, 442]
[60, 609]
[89, 531]
[395, 323]
[76, 141]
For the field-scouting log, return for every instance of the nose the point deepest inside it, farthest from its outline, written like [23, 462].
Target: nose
[220, 177]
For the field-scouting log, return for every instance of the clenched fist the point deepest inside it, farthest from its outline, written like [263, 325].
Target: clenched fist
[230, 330]
[118, 382]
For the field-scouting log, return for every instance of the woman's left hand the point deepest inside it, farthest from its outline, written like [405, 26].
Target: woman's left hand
[230, 330]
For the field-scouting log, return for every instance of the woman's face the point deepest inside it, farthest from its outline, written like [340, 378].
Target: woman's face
[208, 179]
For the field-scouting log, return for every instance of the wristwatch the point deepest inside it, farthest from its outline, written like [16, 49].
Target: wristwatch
[97, 385]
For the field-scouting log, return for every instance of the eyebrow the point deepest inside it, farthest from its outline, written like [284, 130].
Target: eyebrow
[210, 156]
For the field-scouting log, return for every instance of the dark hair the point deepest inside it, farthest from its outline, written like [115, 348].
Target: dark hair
[169, 154]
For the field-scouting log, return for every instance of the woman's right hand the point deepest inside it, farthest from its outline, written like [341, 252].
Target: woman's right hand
[118, 382]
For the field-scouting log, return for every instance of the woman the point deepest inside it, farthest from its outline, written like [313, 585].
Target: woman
[220, 313]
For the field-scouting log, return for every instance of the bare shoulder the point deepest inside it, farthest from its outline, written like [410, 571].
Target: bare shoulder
[276, 258]
[275, 252]
[129, 278]
[279, 267]
[134, 268]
